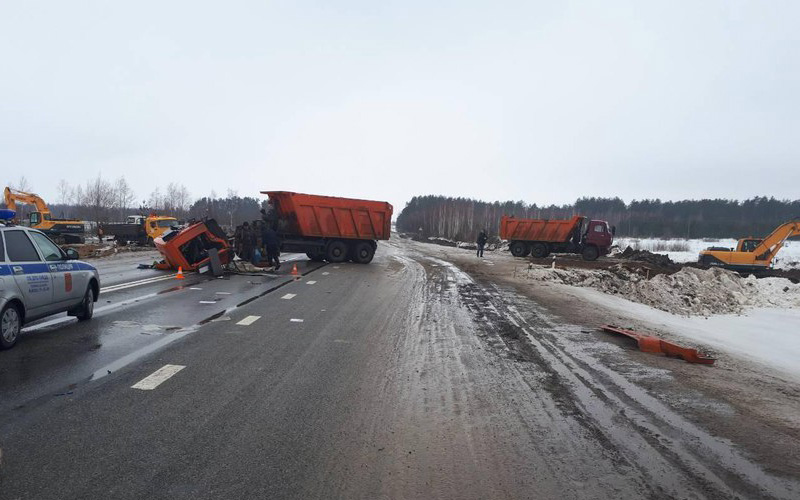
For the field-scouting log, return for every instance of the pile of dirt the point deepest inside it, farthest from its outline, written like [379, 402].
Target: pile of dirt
[655, 259]
[688, 292]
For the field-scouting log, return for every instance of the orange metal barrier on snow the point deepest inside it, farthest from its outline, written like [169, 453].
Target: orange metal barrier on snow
[649, 343]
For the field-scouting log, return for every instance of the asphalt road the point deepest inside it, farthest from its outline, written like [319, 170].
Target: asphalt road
[404, 378]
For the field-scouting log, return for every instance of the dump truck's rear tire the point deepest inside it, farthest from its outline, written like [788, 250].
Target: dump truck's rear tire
[337, 251]
[363, 252]
[539, 250]
[519, 249]
[590, 253]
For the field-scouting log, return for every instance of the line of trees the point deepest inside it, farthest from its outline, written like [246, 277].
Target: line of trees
[105, 200]
[462, 218]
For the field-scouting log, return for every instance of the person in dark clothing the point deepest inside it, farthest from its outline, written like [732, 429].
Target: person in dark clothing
[247, 242]
[270, 216]
[272, 246]
[482, 239]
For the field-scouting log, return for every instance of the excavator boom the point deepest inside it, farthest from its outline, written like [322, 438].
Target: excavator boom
[12, 196]
[759, 258]
[61, 230]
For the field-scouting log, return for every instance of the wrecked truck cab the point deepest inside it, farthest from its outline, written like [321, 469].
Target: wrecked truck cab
[191, 248]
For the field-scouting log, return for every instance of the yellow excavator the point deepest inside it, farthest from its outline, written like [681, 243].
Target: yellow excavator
[60, 230]
[751, 254]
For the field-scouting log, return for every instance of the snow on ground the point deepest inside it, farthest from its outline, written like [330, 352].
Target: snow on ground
[682, 250]
[767, 335]
[689, 292]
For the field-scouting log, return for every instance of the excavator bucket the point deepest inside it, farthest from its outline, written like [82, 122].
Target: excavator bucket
[655, 345]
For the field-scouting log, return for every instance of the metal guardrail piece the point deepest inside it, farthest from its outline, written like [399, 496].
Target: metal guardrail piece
[651, 344]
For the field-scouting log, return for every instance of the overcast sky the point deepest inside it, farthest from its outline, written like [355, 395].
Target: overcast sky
[539, 101]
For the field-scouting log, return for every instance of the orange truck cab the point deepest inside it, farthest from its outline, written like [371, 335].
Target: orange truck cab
[190, 248]
[540, 237]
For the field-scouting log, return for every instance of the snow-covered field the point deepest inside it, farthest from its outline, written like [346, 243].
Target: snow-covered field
[767, 335]
[681, 250]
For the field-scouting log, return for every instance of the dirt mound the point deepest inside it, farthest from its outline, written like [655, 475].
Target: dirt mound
[655, 259]
[688, 292]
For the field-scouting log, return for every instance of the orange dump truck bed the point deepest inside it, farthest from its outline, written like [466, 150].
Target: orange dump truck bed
[331, 228]
[331, 217]
[556, 231]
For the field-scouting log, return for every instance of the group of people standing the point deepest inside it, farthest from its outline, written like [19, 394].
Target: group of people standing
[260, 239]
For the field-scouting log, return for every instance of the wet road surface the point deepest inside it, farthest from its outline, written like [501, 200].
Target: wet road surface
[404, 378]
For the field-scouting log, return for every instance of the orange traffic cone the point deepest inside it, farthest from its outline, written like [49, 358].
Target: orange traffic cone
[179, 276]
[294, 270]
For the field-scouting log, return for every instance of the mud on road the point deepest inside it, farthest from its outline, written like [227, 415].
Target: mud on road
[606, 418]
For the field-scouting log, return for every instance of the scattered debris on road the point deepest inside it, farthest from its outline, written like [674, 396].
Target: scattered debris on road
[655, 345]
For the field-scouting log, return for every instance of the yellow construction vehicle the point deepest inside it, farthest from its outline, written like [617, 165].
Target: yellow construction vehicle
[751, 254]
[139, 229]
[60, 230]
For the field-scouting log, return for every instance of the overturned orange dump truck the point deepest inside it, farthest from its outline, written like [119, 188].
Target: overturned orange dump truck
[330, 228]
[192, 248]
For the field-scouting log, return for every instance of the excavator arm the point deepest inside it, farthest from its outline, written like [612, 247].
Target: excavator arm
[13, 196]
[772, 244]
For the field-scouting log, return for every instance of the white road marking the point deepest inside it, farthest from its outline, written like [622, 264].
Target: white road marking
[289, 296]
[249, 320]
[157, 378]
[311, 282]
[195, 288]
[131, 284]
[295, 320]
[336, 267]
[325, 273]
[223, 293]
[208, 301]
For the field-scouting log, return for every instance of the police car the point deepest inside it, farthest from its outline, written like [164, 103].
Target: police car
[38, 278]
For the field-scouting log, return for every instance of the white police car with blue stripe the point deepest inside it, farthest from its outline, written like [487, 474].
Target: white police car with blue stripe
[38, 278]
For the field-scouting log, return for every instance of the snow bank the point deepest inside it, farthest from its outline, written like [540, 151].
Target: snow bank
[769, 336]
[689, 292]
[787, 258]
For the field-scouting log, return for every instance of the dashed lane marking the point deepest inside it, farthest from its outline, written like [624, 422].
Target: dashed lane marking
[208, 301]
[249, 320]
[223, 293]
[157, 378]
[296, 320]
[325, 273]
[195, 288]
[311, 282]
[289, 296]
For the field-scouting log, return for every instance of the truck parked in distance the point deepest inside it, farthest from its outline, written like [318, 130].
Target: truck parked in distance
[138, 229]
[541, 237]
[330, 228]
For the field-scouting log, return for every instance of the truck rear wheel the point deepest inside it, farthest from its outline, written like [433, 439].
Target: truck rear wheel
[363, 252]
[337, 251]
[590, 253]
[539, 250]
[519, 249]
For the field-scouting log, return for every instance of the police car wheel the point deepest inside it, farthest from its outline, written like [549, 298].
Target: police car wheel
[10, 325]
[87, 306]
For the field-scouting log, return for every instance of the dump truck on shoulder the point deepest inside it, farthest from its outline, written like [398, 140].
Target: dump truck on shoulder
[330, 228]
[541, 237]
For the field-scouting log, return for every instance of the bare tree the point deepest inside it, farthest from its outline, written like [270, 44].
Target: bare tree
[98, 197]
[21, 185]
[65, 192]
[156, 200]
[123, 197]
